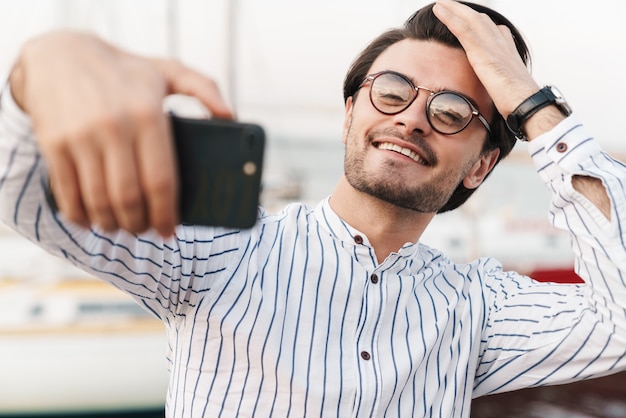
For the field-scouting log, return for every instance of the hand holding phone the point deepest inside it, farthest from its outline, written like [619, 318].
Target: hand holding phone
[220, 163]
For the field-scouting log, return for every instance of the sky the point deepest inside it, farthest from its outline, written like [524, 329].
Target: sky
[284, 66]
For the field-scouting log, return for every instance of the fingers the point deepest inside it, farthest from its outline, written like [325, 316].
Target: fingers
[93, 188]
[475, 30]
[118, 178]
[492, 53]
[481, 38]
[126, 173]
[125, 197]
[183, 80]
[65, 188]
[454, 17]
[158, 175]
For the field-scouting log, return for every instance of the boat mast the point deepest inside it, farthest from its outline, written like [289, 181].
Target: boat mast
[172, 17]
[232, 35]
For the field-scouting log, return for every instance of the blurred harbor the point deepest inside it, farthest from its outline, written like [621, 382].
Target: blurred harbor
[71, 344]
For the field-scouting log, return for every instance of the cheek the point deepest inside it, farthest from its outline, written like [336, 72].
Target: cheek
[459, 159]
[355, 129]
[467, 147]
[359, 124]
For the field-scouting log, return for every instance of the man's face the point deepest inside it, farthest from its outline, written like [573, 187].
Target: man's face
[425, 179]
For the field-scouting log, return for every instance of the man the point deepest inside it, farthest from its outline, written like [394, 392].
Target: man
[336, 310]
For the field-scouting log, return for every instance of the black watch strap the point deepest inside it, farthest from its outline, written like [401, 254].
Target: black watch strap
[532, 105]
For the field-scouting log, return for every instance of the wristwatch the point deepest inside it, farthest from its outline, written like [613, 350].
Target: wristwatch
[544, 97]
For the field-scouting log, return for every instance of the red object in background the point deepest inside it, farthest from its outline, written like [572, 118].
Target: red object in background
[556, 275]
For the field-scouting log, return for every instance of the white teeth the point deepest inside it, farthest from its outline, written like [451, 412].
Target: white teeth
[404, 151]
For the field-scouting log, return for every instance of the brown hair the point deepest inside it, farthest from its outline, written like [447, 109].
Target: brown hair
[424, 25]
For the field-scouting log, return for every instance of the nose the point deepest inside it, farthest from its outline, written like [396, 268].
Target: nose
[413, 118]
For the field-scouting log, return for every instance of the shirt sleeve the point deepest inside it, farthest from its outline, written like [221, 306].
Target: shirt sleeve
[546, 333]
[598, 243]
[166, 276]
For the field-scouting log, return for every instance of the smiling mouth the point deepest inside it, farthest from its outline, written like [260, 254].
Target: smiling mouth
[402, 150]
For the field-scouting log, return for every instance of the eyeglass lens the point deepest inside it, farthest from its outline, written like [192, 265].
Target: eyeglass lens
[447, 112]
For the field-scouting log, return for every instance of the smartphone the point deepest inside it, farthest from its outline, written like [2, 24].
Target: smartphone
[220, 163]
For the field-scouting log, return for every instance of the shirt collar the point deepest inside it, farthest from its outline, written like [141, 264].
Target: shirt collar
[341, 230]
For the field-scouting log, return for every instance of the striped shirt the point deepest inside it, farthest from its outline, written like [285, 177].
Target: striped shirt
[295, 317]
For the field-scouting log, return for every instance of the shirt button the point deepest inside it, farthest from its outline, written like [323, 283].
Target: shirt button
[358, 239]
[561, 147]
[374, 278]
[365, 355]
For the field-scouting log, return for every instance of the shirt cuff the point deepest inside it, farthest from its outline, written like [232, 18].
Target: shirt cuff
[566, 149]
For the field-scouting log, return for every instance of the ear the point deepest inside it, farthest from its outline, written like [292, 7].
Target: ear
[347, 121]
[480, 169]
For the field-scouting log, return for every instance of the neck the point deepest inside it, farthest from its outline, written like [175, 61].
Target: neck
[387, 227]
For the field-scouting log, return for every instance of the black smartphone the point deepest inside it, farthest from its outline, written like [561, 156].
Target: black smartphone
[220, 163]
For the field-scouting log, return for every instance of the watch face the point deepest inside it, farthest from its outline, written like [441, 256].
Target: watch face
[557, 93]
[560, 101]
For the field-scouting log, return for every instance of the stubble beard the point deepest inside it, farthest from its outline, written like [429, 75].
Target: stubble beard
[388, 185]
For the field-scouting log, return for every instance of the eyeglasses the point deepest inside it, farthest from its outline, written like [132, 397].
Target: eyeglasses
[447, 112]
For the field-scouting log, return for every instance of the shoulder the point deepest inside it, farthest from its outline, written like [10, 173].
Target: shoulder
[482, 270]
[292, 213]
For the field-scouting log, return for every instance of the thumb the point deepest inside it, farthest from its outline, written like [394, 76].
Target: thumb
[181, 79]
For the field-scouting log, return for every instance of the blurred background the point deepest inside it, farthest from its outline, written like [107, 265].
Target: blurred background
[72, 345]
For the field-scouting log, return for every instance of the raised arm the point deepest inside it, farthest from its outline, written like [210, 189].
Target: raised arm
[98, 118]
[493, 56]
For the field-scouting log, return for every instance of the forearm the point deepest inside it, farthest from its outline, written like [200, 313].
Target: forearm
[588, 201]
[541, 122]
[592, 189]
